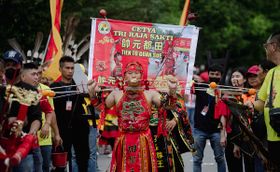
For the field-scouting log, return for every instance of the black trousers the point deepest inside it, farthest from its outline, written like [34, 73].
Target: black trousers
[77, 136]
[233, 164]
[274, 152]
[236, 164]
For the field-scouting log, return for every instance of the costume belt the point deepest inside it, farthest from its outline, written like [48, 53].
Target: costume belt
[133, 130]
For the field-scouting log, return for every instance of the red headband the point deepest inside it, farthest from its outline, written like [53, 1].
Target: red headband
[134, 66]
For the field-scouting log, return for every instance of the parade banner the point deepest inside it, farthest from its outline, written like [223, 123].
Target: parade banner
[161, 49]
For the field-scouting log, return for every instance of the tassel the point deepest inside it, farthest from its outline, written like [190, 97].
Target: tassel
[161, 130]
[101, 123]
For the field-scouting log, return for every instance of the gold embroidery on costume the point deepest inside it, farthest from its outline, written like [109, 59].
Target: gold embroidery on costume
[23, 96]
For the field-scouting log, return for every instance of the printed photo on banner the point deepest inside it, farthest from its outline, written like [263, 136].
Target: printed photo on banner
[161, 49]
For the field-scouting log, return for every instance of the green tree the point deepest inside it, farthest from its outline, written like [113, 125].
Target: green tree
[238, 26]
[23, 19]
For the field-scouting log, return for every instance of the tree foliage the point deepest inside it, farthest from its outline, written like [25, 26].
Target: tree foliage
[238, 26]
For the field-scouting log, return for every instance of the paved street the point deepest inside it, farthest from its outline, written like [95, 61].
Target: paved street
[209, 164]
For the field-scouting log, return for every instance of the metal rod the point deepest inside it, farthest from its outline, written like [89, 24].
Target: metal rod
[225, 86]
[64, 95]
[65, 86]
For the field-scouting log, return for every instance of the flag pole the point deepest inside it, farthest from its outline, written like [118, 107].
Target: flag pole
[184, 16]
[46, 49]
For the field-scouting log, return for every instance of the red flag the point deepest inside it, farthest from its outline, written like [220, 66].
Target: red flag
[54, 50]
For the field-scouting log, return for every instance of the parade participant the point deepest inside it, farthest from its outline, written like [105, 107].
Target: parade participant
[230, 132]
[12, 65]
[252, 77]
[73, 128]
[13, 62]
[28, 77]
[92, 139]
[258, 124]
[31, 76]
[134, 148]
[205, 126]
[178, 139]
[91, 116]
[92, 136]
[49, 124]
[109, 132]
[255, 76]
[269, 99]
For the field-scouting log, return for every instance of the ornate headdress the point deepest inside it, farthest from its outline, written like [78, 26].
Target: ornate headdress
[31, 56]
[70, 46]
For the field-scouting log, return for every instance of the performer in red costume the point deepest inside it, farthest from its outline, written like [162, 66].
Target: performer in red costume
[134, 149]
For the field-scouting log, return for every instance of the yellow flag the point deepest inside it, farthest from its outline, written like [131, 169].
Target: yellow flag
[54, 51]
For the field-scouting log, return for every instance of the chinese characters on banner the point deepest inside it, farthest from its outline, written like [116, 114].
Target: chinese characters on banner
[161, 49]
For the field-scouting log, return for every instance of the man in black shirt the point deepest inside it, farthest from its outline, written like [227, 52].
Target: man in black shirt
[205, 126]
[73, 127]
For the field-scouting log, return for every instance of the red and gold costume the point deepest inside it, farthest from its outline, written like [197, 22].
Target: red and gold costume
[109, 130]
[134, 149]
[15, 145]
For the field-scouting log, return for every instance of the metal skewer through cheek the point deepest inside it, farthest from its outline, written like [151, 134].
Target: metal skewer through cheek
[71, 93]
